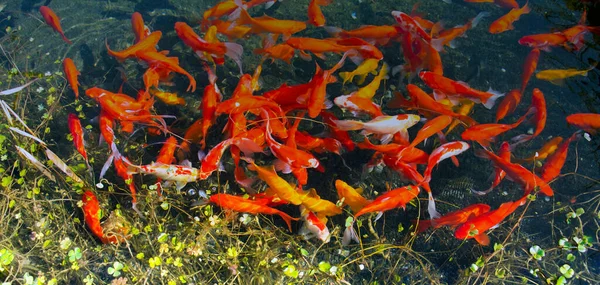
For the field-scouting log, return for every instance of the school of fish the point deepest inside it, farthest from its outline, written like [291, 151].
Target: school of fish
[264, 132]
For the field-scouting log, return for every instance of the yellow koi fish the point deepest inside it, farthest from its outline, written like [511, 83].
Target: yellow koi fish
[557, 76]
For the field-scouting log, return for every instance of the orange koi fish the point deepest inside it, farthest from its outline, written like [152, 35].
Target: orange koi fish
[588, 122]
[159, 60]
[122, 171]
[373, 34]
[447, 37]
[281, 51]
[499, 173]
[316, 46]
[382, 125]
[518, 174]
[529, 67]
[505, 22]
[543, 41]
[245, 103]
[315, 15]
[230, 30]
[192, 135]
[389, 200]
[486, 133]
[140, 30]
[430, 128]
[148, 43]
[314, 227]
[266, 24]
[317, 94]
[477, 226]
[71, 74]
[454, 89]
[221, 9]
[215, 49]
[555, 162]
[240, 204]
[538, 108]
[210, 100]
[351, 196]
[211, 162]
[167, 97]
[91, 215]
[547, 149]
[455, 218]
[53, 21]
[422, 101]
[318, 145]
[508, 104]
[77, 134]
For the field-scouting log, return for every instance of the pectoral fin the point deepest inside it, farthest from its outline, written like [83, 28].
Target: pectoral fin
[482, 239]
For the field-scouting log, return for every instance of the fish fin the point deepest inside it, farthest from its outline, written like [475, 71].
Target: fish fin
[379, 215]
[452, 43]
[489, 104]
[305, 56]
[235, 51]
[482, 239]
[282, 166]
[287, 218]
[333, 31]
[179, 185]
[558, 82]
[478, 18]
[438, 44]
[349, 235]
[433, 213]
[348, 125]
[106, 165]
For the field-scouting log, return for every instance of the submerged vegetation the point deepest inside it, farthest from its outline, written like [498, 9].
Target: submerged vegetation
[177, 238]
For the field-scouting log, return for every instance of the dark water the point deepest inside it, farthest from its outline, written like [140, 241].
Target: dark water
[482, 59]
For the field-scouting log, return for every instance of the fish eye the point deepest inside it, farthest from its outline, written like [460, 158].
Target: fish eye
[191, 192]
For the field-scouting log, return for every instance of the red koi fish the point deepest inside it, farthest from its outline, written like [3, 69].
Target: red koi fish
[91, 215]
[454, 89]
[555, 162]
[216, 49]
[486, 133]
[508, 104]
[543, 41]
[505, 22]
[538, 108]
[499, 173]
[211, 162]
[518, 174]
[71, 74]
[159, 60]
[444, 151]
[455, 218]
[148, 43]
[529, 67]
[140, 30]
[342, 136]
[430, 128]
[588, 122]
[314, 227]
[77, 134]
[501, 3]
[447, 37]
[315, 15]
[477, 226]
[210, 100]
[240, 204]
[53, 21]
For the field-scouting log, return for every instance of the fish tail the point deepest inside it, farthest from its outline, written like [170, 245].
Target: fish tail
[235, 51]
[333, 31]
[287, 218]
[433, 213]
[525, 9]
[348, 125]
[423, 225]
[478, 18]
[237, 12]
[346, 76]
[489, 104]
[350, 235]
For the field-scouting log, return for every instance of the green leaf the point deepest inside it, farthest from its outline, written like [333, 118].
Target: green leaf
[324, 266]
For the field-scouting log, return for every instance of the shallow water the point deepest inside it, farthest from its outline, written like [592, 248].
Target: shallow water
[482, 59]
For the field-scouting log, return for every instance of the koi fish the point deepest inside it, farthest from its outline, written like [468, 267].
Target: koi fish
[508, 104]
[53, 21]
[538, 108]
[430, 128]
[454, 89]
[317, 94]
[444, 151]
[278, 185]
[543, 41]
[210, 100]
[518, 174]
[389, 200]
[499, 173]
[382, 125]
[506, 22]
[323, 208]
[368, 66]
[588, 122]
[77, 134]
[447, 37]
[71, 74]
[266, 24]
[314, 227]
[477, 226]
[455, 218]
[158, 59]
[554, 163]
[91, 215]
[315, 15]
[211, 162]
[140, 30]
[557, 76]
[215, 49]
[501, 3]
[486, 133]
[351, 196]
[148, 43]
[529, 67]
[373, 34]
[240, 204]
[547, 149]
[360, 101]
[167, 97]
